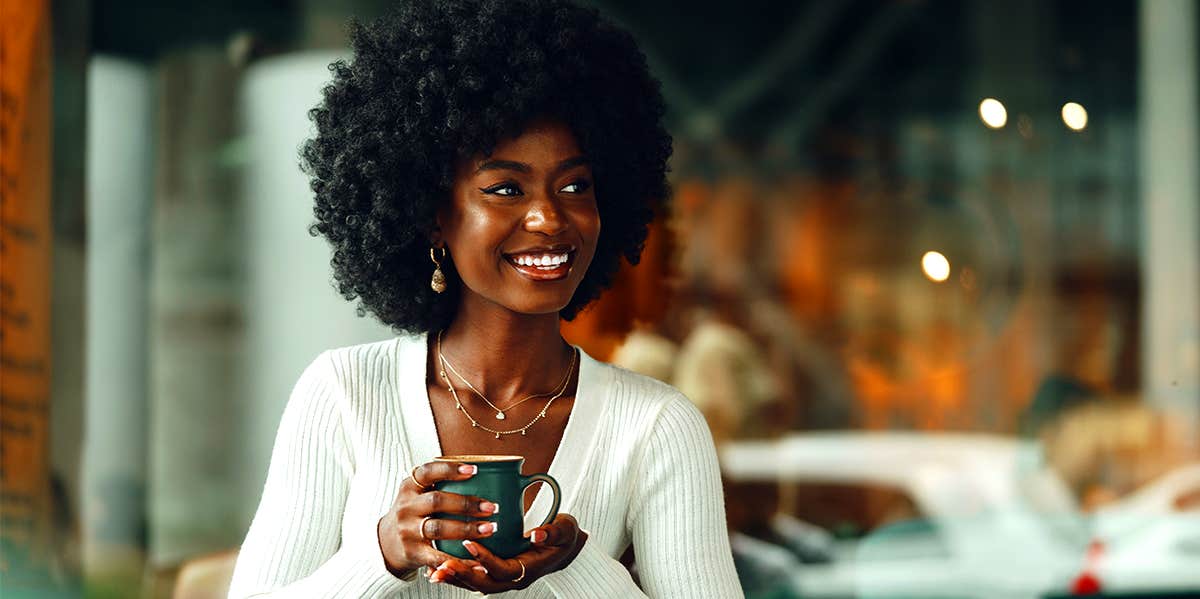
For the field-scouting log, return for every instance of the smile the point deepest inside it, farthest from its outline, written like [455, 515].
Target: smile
[547, 265]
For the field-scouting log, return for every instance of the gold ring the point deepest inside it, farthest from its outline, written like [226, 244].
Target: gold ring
[522, 576]
[413, 475]
[422, 527]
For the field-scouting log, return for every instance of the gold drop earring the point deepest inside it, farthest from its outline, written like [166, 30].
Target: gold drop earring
[438, 282]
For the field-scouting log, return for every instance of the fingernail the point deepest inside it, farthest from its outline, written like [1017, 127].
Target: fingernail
[538, 536]
[488, 506]
[488, 528]
[480, 569]
[471, 548]
[468, 469]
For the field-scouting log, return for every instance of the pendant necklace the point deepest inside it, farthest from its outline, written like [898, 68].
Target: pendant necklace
[458, 405]
[446, 365]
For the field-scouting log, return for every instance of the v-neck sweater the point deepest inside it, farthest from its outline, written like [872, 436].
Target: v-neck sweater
[636, 465]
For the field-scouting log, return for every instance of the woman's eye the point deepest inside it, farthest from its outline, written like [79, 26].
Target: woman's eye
[576, 187]
[503, 189]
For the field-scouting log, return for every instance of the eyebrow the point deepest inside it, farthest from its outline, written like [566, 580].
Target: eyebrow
[512, 165]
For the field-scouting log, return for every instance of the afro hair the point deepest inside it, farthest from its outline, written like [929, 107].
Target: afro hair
[438, 81]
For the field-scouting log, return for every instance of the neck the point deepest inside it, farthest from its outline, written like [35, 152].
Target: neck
[504, 354]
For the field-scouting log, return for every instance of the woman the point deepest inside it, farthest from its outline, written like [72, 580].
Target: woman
[464, 163]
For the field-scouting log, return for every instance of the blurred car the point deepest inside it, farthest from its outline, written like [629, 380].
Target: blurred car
[1151, 538]
[971, 515]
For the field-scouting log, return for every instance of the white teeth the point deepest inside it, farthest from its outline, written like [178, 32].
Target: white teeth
[545, 261]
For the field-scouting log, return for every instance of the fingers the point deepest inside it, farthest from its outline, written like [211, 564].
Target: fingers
[563, 531]
[426, 555]
[438, 528]
[460, 571]
[423, 477]
[503, 570]
[557, 545]
[442, 502]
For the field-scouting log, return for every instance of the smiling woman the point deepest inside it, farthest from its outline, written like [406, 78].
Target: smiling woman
[431, 90]
[523, 224]
[464, 162]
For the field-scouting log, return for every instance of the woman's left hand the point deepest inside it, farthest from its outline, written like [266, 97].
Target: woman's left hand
[555, 545]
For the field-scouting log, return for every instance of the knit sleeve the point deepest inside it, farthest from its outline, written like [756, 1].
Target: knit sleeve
[593, 573]
[677, 511]
[293, 548]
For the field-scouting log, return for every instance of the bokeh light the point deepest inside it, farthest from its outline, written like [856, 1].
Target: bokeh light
[1075, 116]
[993, 113]
[936, 266]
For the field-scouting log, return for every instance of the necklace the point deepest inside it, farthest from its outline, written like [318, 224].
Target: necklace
[499, 411]
[458, 405]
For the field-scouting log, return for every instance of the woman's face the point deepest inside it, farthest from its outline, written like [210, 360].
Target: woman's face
[522, 224]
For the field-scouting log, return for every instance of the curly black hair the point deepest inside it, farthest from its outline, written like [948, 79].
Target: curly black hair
[437, 81]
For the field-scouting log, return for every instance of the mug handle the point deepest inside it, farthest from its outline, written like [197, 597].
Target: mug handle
[546, 478]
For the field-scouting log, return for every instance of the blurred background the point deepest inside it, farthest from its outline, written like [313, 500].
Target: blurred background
[932, 273]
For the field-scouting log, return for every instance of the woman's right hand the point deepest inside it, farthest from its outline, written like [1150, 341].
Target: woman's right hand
[407, 531]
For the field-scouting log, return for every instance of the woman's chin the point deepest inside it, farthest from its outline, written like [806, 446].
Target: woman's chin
[541, 303]
[539, 308]
[527, 297]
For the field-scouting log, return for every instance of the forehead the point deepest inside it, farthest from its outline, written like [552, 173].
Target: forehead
[541, 145]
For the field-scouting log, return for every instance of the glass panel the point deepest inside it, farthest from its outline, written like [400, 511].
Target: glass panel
[930, 271]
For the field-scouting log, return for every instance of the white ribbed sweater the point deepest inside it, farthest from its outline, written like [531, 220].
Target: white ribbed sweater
[636, 465]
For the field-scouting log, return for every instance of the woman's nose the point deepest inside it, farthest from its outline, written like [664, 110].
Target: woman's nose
[545, 216]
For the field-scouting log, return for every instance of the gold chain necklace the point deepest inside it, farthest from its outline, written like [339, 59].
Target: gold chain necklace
[500, 412]
[458, 405]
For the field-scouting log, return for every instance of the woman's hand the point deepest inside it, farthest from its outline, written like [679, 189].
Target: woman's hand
[555, 545]
[407, 531]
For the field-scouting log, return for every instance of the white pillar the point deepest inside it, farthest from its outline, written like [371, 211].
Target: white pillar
[195, 325]
[292, 311]
[1170, 190]
[118, 195]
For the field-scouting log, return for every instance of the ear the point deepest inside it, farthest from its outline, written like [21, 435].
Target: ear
[435, 234]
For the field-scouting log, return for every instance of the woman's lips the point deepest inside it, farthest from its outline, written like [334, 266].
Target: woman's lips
[542, 266]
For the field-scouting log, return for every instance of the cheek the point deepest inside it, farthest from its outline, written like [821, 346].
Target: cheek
[589, 226]
[589, 230]
[478, 231]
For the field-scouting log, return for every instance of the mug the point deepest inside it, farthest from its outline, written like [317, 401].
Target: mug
[498, 480]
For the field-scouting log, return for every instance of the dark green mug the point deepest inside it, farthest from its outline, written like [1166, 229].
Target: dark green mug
[498, 480]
